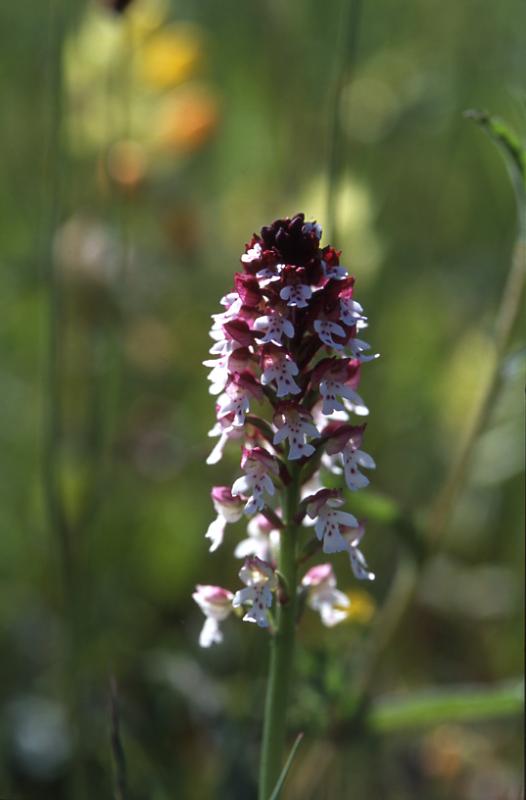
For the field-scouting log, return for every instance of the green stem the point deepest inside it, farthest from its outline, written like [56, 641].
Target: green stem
[346, 49]
[281, 651]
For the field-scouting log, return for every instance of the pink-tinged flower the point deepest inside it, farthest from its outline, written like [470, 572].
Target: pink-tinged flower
[274, 326]
[224, 366]
[241, 387]
[278, 367]
[225, 430]
[335, 271]
[258, 465]
[296, 295]
[339, 434]
[337, 378]
[269, 275]
[229, 509]
[295, 424]
[231, 302]
[345, 441]
[237, 330]
[239, 360]
[353, 537]
[351, 312]
[316, 501]
[254, 253]
[311, 487]
[262, 540]
[216, 605]
[352, 461]
[324, 421]
[324, 506]
[358, 348]
[331, 265]
[223, 343]
[326, 330]
[248, 289]
[323, 596]
[260, 581]
[218, 375]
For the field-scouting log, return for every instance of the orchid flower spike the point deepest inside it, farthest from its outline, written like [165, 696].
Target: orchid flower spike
[286, 360]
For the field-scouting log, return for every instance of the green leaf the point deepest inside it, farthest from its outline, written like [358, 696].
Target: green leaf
[436, 706]
[281, 780]
[504, 137]
[514, 154]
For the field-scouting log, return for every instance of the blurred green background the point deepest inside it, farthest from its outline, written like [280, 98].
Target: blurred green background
[139, 153]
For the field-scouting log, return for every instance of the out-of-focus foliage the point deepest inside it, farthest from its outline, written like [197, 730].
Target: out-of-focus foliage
[180, 129]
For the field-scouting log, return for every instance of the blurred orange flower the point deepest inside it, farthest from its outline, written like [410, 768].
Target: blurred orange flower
[127, 163]
[187, 119]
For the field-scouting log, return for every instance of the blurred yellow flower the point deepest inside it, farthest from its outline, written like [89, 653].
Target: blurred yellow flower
[361, 608]
[172, 55]
[187, 119]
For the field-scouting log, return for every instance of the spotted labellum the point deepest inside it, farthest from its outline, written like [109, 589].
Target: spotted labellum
[285, 366]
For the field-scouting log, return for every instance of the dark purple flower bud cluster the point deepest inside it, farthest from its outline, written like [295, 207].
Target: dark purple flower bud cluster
[285, 366]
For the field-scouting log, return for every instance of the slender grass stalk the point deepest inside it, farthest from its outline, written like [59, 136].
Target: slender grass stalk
[507, 315]
[117, 748]
[346, 48]
[281, 650]
[60, 526]
[286, 769]
[53, 406]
